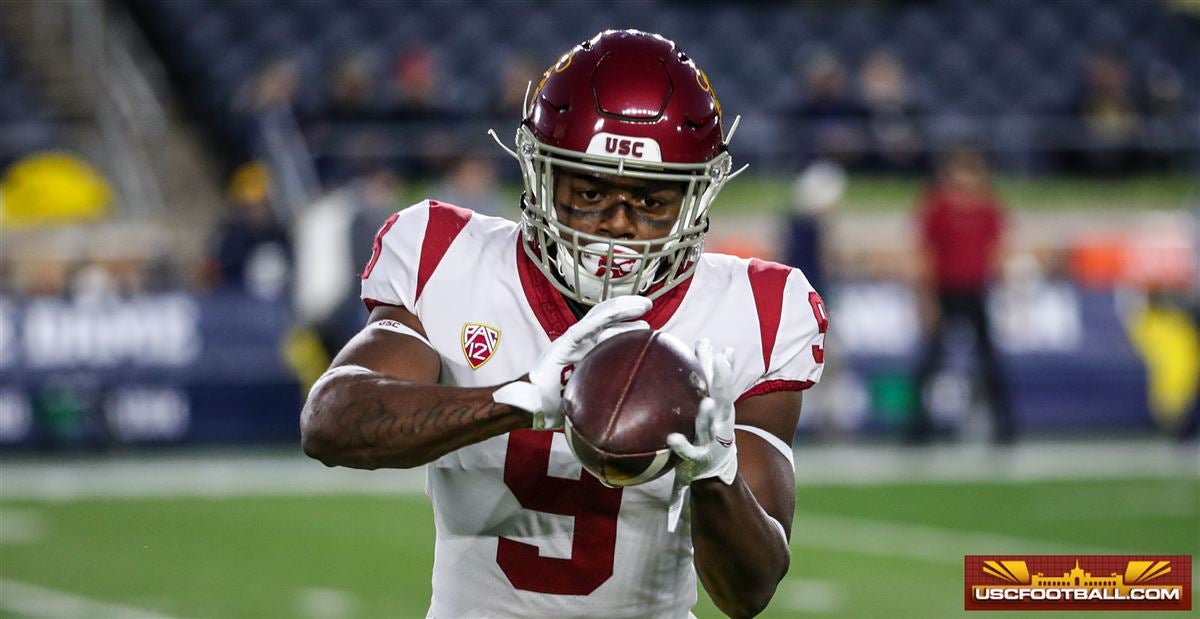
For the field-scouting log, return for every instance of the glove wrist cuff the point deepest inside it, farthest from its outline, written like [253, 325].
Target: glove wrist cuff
[727, 472]
[527, 397]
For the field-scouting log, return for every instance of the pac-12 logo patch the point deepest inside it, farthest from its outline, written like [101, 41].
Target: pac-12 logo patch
[479, 342]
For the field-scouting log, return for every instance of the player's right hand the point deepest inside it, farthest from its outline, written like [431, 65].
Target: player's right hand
[714, 453]
[541, 393]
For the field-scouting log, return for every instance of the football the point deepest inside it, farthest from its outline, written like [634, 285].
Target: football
[624, 398]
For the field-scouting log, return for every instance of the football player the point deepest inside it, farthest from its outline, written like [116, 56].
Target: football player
[476, 320]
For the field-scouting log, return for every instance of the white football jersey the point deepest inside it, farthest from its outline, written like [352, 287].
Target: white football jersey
[522, 530]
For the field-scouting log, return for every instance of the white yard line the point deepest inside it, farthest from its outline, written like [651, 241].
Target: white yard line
[35, 601]
[325, 603]
[806, 596]
[21, 526]
[236, 475]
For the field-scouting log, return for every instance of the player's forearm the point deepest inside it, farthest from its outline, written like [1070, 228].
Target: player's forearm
[741, 555]
[369, 420]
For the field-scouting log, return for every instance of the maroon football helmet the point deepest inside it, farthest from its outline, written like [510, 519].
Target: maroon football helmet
[625, 103]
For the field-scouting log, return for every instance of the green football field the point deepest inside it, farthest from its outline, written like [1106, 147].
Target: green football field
[878, 534]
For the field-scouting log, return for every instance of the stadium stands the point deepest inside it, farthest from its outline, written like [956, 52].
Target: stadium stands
[1019, 64]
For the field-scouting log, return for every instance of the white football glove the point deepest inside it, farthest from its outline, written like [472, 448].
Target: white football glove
[714, 453]
[541, 394]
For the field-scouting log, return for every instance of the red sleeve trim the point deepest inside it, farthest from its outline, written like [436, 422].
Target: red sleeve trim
[374, 303]
[767, 280]
[771, 386]
[446, 221]
[377, 246]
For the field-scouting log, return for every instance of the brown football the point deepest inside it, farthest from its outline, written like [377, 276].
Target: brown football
[623, 400]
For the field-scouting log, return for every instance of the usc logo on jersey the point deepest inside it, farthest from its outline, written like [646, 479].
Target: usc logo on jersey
[479, 343]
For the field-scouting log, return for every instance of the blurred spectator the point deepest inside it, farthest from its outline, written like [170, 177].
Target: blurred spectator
[251, 251]
[334, 240]
[896, 143]
[1164, 331]
[518, 78]
[961, 224]
[1110, 117]
[815, 194]
[272, 99]
[1167, 111]
[276, 86]
[352, 92]
[472, 184]
[415, 87]
[418, 95]
[831, 121]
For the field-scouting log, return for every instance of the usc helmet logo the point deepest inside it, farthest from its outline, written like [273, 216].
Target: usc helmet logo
[702, 80]
[558, 67]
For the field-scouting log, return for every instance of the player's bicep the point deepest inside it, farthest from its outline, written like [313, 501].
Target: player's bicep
[388, 345]
[765, 427]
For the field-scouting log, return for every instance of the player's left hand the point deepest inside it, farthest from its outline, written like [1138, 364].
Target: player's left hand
[541, 392]
[714, 453]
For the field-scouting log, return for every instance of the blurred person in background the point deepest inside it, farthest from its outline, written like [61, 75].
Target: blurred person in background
[472, 183]
[896, 142]
[353, 92]
[277, 84]
[961, 224]
[275, 89]
[334, 238]
[831, 120]
[815, 193]
[518, 77]
[418, 100]
[251, 251]
[1167, 108]
[415, 90]
[1109, 110]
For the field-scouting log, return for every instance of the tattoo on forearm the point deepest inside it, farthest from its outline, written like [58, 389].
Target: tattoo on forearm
[372, 422]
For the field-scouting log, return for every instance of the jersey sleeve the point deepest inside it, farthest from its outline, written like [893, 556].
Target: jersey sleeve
[390, 276]
[797, 357]
[407, 251]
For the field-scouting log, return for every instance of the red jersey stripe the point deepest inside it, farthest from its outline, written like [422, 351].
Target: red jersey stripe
[446, 221]
[767, 280]
[377, 245]
[547, 303]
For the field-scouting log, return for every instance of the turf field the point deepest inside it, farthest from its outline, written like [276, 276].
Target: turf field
[879, 532]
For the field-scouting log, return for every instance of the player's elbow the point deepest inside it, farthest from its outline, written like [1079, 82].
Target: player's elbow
[746, 605]
[319, 435]
[329, 447]
[316, 439]
[750, 598]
